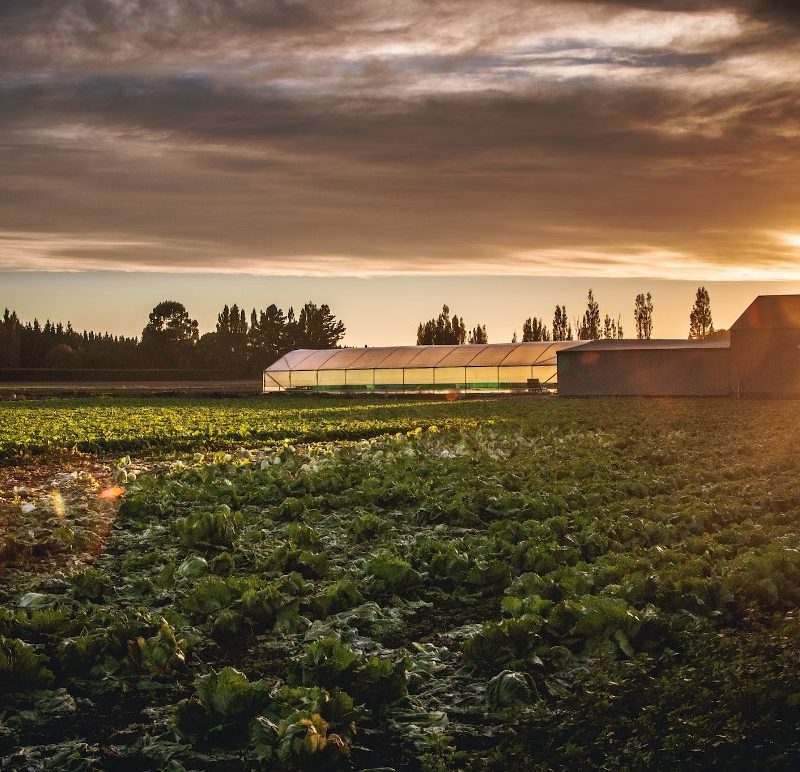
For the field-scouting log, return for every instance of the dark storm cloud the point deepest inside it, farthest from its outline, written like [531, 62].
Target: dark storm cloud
[369, 137]
[68, 32]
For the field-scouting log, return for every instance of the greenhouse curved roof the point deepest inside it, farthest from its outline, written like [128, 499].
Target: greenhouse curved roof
[399, 357]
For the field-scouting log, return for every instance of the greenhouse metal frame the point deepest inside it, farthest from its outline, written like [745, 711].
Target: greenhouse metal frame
[474, 367]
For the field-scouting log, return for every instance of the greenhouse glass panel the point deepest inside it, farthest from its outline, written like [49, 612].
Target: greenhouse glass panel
[389, 377]
[548, 355]
[301, 379]
[332, 378]
[455, 375]
[482, 375]
[372, 357]
[345, 359]
[360, 377]
[462, 355]
[293, 359]
[518, 375]
[275, 381]
[418, 375]
[546, 373]
[525, 354]
[316, 359]
[430, 356]
[401, 356]
[493, 355]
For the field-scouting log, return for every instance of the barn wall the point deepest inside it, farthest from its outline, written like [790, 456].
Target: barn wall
[765, 362]
[645, 372]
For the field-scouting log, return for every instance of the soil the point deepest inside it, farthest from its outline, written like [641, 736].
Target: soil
[51, 515]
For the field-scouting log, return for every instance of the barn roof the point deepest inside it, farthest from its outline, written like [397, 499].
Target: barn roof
[770, 312]
[632, 344]
[383, 357]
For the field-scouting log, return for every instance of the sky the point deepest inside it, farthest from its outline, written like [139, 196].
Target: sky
[387, 157]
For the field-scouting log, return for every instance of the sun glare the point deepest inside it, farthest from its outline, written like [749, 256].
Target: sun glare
[791, 239]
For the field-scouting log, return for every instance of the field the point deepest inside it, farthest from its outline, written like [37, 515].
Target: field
[330, 584]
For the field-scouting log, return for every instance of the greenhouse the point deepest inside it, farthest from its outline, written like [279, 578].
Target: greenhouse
[493, 366]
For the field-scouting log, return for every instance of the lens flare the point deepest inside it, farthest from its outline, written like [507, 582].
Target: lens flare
[111, 493]
[57, 500]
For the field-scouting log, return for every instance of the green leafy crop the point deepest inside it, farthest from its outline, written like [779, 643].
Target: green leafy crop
[21, 668]
[327, 583]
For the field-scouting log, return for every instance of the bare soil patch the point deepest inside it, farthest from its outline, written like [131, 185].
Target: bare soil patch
[52, 516]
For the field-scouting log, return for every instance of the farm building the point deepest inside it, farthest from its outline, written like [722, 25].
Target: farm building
[646, 368]
[761, 358]
[765, 347]
[492, 366]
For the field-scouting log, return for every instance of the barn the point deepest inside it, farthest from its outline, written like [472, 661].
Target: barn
[644, 367]
[765, 347]
[476, 367]
[762, 357]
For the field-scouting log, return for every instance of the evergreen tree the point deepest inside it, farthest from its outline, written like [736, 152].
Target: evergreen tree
[231, 338]
[267, 337]
[10, 340]
[291, 333]
[643, 314]
[318, 328]
[55, 345]
[700, 323]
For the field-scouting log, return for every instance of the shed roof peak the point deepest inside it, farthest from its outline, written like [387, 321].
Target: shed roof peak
[770, 312]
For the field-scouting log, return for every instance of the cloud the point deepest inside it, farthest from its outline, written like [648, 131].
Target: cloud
[413, 137]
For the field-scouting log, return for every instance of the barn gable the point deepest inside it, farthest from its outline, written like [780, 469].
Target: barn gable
[770, 312]
[765, 347]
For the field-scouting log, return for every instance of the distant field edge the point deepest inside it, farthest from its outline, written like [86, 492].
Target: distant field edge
[60, 376]
[33, 390]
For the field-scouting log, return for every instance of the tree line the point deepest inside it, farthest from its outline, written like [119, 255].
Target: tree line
[448, 330]
[242, 343]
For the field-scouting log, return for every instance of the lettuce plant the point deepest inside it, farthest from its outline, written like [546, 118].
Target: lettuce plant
[21, 668]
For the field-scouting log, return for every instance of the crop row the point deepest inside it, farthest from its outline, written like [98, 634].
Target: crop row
[524, 594]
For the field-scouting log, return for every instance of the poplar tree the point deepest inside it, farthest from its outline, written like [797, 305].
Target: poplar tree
[643, 314]
[560, 323]
[589, 327]
[700, 323]
[442, 330]
[612, 329]
[534, 329]
[478, 334]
